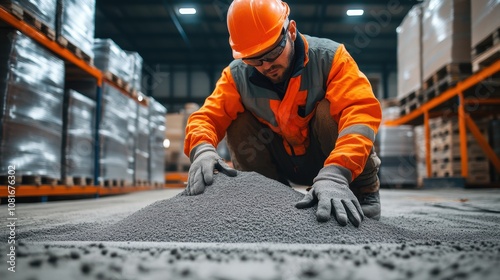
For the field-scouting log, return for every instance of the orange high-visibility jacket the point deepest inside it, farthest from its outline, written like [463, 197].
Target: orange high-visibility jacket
[329, 72]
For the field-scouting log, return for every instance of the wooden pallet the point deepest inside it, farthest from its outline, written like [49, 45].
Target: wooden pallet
[115, 183]
[486, 58]
[29, 18]
[159, 185]
[487, 43]
[34, 180]
[478, 170]
[77, 181]
[118, 81]
[75, 50]
[409, 103]
[487, 51]
[445, 78]
[142, 183]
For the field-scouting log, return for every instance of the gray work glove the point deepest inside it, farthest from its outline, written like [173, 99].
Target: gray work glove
[204, 159]
[331, 188]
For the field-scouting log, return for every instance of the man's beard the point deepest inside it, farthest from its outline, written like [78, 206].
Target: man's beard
[286, 73]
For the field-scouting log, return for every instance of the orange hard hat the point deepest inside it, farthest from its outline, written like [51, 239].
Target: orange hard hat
[255, 25]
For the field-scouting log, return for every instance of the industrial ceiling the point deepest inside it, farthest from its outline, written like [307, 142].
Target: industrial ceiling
[157, 30]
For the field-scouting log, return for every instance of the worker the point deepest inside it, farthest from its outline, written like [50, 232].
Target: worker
[294, 108]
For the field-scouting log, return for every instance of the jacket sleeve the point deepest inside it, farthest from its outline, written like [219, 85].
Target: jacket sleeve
[356, 110]
[210, 122]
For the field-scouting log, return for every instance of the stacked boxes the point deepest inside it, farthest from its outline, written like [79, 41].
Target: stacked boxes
[42, 10]
[78, 161]
[157, 126]
[420, 153]
[445, 151]
[395, 147]
[142, 146]
[113, 131]
[445, 35]
[31, 105]
[135, 78]
[75, 23]
[484, 20]
[485, 33]
[138, 143]
[131, 138]
[410, 53]
[109, 57]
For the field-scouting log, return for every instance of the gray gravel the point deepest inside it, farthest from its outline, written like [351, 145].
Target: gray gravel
[200, 261]
[251, 208]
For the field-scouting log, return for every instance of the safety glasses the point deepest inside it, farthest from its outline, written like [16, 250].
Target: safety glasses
[271, 55]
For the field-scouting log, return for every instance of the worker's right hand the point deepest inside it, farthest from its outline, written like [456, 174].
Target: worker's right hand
[330, 189]
[204, 159]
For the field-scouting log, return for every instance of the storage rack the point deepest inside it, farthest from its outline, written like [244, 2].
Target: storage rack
[77, 65]
[422, 115]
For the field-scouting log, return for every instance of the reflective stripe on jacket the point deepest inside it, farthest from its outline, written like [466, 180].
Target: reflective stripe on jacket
[329, 72]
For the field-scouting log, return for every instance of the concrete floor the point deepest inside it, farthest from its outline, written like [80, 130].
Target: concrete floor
[457, 214]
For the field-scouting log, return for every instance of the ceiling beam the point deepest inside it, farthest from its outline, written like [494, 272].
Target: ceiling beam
[177, 24]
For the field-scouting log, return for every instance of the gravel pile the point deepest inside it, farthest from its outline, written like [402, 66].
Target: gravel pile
[251, 208]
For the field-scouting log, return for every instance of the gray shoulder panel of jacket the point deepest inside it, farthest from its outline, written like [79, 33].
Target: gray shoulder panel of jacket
[254, 98]
[315, 74]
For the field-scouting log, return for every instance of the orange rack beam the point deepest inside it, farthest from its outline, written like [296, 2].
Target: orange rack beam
[49, 44]
[47, 190]
[465, 121]
[176, 179]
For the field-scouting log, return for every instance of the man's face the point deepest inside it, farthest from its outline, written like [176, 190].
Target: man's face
[279, 69]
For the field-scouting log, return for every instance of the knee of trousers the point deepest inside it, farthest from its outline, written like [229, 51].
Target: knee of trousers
[248, 141]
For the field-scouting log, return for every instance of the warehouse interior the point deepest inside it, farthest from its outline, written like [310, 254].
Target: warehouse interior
[95, 97]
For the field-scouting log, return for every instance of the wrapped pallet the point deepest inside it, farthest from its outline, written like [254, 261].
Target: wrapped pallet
[42, 10]
[110, 58]
[157, 127]
[79, 129]
[113, 131]
[446, 35]
[31, 105]
[76, 24]
[131, 138]
[395, 148]
[136, 75]
[420, 153]
[142, 146]
[410, 53]
[485, 20]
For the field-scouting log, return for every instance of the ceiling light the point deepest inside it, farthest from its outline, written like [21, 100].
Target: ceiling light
[140, 98]
[355, 12]
[187, 11]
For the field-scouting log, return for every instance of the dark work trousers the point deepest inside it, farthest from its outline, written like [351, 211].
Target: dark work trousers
[255, 147]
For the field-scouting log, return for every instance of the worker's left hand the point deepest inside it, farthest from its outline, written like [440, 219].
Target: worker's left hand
[331, 188]
[205, 159]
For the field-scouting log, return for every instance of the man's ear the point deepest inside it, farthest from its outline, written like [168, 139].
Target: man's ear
[292, 28]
